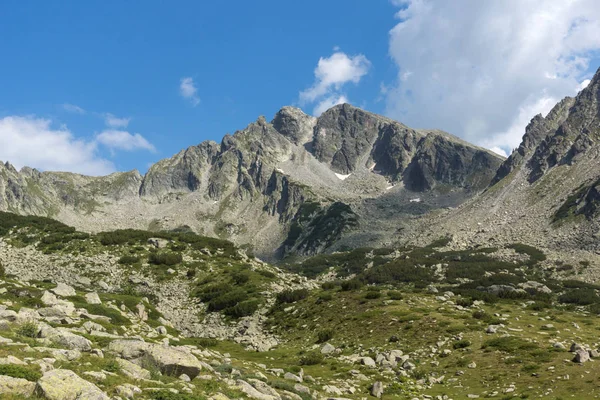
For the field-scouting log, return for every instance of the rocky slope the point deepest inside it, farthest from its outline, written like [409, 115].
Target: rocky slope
[545, 194]
[362, 174]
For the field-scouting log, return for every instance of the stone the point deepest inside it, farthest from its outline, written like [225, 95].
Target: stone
[97, 375]
[185, 378]
[368, 362]
[49, 299]
[64, 290]
[10, 386]
[594, 353]
[8, 315]
[161, 330]
[92, 298]
[128, 349]
[263, 387]
[11, 360]
[69, 340]
[492, 329]
[63, 384]
[127, 391]
[581, 356]
[291, 377]
[472, 365]
[252, 392]
[132, 370]
[377, 389]
[327, 349]
[172, 361]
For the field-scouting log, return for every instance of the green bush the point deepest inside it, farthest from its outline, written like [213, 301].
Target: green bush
[324, 297]
[28, 372]
[461, 344]
[241, 277]
[329, 285]
[28, 329]
[227, 300]
[394, 295]
[372, 294]
[266, 274]
[580, 297]
[243, 309]
[165, 258]
[128, 259]
[464, 302]
[292, 296]
[325, 335]
[352, 284]
[311, 358]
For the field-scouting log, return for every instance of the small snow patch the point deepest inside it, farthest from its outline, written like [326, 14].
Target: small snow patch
[389, 187]
[279, 170]
[342, 177]
[417, 200]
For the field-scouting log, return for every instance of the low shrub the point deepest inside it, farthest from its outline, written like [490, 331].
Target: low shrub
[461, 344]
[395, 295]
[311, 358]
[243, 309]
[292, 296]
[128, 259]
[325, 335]
[28, 329]
[21, 371]
[165, 258]
[352, 284]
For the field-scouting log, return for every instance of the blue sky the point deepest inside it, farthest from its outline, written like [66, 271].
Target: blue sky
[99, 86]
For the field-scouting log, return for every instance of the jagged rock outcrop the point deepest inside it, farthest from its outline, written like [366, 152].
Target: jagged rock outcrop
[250, 187]
[546, 194]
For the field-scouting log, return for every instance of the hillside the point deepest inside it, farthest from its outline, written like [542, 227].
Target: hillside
[175, 316]
[544, 194]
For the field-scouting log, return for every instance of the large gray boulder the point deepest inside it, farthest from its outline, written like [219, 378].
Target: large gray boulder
[15, 387]
[172, 361]
[64, 290]
[63, 384]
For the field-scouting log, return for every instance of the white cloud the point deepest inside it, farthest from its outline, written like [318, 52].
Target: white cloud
[327, 103]
[334, 72]
[483, 69]
[331, 75]
[72, 108]
[30, 141]
[116, 122]
[122, 140]
[188, 90]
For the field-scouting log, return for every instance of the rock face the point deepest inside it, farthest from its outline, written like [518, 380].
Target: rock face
[550, 184]
[63, 384]
[251, 187]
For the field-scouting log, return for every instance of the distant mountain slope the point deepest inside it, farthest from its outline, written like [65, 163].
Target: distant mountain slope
[546, 193]
[295, 185]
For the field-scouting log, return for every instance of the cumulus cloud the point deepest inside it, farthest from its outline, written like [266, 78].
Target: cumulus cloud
[483, 69]
[331, 74]
[116, 122]
[329, 102]
[34, 142]
[188, 90]
[72, 108]
[122, 140]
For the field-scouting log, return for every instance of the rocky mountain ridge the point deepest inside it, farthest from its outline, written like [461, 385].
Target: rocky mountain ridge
[545, 194]
[251, 188]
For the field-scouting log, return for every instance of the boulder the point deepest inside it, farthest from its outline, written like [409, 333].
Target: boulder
[291, 377]
[15, 387]
[128, 349]
[252, 392]
[368, 362]
[69, 340]
[92, 298]
[127, 391]
[63, 384]
[377, 390]
[132, 370]
[172, 361]
[327, 349]
[64, 290]
[581, 356]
